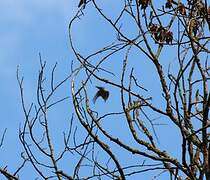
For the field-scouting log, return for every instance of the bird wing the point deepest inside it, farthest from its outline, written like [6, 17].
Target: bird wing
[96, 96]
[99, 87]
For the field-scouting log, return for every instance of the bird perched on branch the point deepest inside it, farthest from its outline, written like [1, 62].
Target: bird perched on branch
[102, 92]
[82, 2]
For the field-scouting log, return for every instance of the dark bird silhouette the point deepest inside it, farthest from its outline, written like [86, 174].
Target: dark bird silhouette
[82, 2]
[102, 92]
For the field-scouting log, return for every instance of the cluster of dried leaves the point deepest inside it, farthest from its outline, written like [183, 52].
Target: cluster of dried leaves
[194, 12]
[161, 34]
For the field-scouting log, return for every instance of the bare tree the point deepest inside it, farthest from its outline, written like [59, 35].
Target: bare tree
[171, 37]
[154, 120]
[36, 134]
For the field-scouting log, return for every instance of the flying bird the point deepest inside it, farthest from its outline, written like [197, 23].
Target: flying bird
[82, 2]
[102, 92]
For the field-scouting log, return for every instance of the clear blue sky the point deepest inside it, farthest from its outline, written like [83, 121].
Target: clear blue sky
[27, 29]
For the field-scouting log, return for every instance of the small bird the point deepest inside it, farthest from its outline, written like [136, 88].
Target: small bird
[101, 92]
[82, 2]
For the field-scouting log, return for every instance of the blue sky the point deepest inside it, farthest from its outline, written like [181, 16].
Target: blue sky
[32, 27]
[27, 29]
